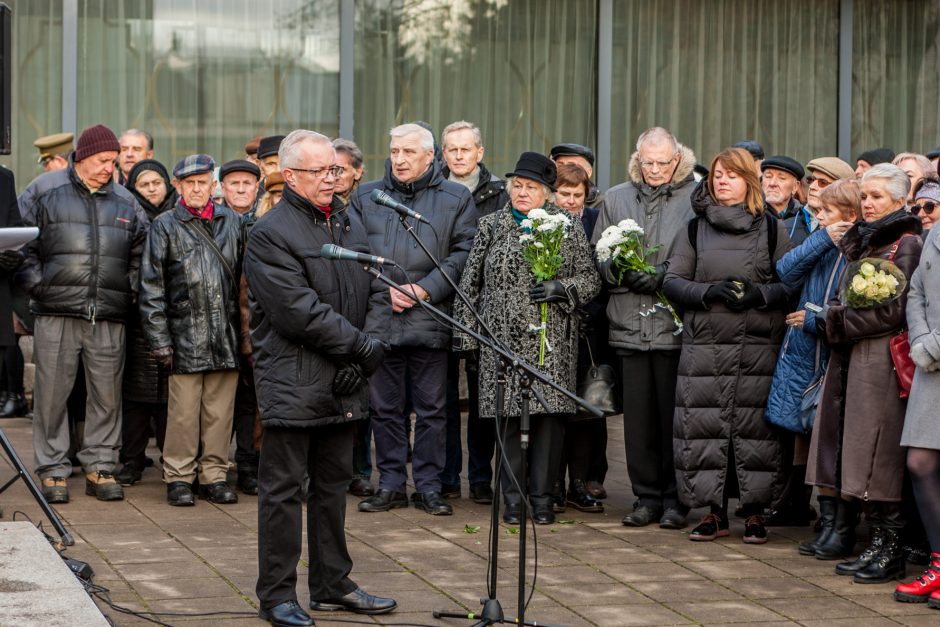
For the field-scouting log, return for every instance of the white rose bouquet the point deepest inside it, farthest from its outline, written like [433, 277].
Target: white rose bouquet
[543, 234]
[623, 245]
[871, 282]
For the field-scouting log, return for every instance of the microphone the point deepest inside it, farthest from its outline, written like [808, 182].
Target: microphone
[381, 198]
[332, 251]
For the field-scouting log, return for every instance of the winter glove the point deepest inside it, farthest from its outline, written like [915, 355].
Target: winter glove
[608, 272]
[369, 355]
[752, 298]
[10, 260]
[163, 356]
[820, 319]
[644, 282]
[725, 292]
[348, 379]
[548, 292]
[922, 358]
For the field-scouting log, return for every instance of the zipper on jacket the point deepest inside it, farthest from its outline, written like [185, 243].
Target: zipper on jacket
[93, 287]
[92, 312]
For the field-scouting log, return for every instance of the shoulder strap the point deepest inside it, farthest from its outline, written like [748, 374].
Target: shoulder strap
[894, 246]
[198, 230]
[771, 241]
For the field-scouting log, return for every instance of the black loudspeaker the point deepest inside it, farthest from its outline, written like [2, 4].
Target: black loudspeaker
[6, 78]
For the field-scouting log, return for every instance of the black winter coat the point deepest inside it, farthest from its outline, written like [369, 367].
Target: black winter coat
[9, 216]
[87, 258]
[450, 209]
[308, 314]
[188, 297]
[728, 357]
[490, 193]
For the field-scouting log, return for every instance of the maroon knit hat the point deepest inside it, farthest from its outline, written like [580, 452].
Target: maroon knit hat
[98, 138]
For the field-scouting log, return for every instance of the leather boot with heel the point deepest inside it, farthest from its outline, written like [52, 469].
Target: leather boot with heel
[890, 563]
[827, 516]
[840, 542]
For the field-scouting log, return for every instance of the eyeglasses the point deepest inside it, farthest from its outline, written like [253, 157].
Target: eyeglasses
[926, 207]
[335, 171]
[823, 183]
[660, 165]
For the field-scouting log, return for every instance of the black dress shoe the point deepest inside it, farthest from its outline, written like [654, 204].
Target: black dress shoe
[219, 492]
[432, 503]
[358, 601]
[450, 491]
[247, 481]
[481, 493]
[579, 498]
[180, 494]
[712, 526]
[360, 486]
[755, 532]
[558, 503]
[287, 614]
[641, 516]
[512, 514]
[130, 473]
[543, 514]
[383, 500]
[672, 518]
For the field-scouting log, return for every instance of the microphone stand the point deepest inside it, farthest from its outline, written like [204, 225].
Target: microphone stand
[492, 610]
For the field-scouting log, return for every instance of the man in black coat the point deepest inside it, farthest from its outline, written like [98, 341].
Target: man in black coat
[189, 313]
[10, 260]
[81, 274]
[312, 359]
[417, 362]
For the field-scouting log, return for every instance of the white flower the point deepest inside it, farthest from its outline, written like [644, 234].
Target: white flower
[538, 245]
[538, 214]
[603, 253]
[629, 226]
[547, 227]
[525, 238]
[526, 223]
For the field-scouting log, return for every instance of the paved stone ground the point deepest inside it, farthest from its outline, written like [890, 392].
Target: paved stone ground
[591, 571]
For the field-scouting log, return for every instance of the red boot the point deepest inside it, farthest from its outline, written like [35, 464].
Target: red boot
[934, 600]
[924, 587]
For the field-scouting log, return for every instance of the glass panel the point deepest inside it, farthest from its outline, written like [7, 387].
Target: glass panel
[718, 72]
[207, 75]
[523, 71]
[37, 82]
[895, 75]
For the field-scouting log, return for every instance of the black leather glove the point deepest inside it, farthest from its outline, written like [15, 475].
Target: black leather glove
[752, 298]
[608, 272]
[644, 282]
[10, 260]
[163, 356]
[548, 292]
[725, 292]
[369, 354]
[348, 379]
[820, 317]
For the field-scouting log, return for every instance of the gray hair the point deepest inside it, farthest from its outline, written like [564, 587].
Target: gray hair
[549, 194]
[896, 182]
[926, 168]
[144, 134]
[462, 125]
[289, 152]
[656, 136]
[350, 149]
[427, 139]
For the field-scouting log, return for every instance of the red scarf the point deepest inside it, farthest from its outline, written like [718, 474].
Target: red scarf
[205, 213]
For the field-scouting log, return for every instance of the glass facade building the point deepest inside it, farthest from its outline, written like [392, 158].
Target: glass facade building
[803, 77]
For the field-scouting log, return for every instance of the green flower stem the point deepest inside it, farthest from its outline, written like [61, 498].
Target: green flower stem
[543, 307]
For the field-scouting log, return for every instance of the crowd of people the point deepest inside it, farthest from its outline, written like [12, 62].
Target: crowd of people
[776, 334]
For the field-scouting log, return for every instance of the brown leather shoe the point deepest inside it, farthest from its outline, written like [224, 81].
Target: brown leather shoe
[55, 490]
[597, 490]
[103, 486]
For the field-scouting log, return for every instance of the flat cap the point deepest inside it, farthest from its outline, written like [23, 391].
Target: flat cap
[784, 163]
[572, 150]
[833, 167]
[274, 182]
[876, 156]
[52, 145]
[251, 148]
[756, 150]
[269, 145]
[239, 165]
[192, 165]
[933, 154]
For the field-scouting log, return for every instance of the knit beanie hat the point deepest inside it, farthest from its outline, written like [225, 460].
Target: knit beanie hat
[929, 189]
[98, 138]
[876, 156]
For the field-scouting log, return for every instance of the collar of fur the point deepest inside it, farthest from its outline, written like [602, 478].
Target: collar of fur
[683, 170]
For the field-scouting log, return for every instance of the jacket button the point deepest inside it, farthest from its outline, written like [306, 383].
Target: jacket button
[349, 414]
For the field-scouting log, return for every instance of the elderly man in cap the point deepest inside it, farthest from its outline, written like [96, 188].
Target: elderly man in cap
[189, 312]
[268, 155]
[583, 157]
[239, 182]
[869, 158]
[81, 274]
[136, 145]
[781, 178]
[823, 171]
[54, 151]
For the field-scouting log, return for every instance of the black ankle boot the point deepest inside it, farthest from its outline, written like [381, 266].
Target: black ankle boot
[890, 563]
[867, 556]
[828, 505]
[15, 406]
[841, 540]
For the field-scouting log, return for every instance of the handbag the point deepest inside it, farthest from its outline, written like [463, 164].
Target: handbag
[900, 347]
[598, 386]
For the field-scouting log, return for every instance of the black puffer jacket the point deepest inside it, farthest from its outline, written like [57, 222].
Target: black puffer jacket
[450, 209]
[86, 260]
[308, 314]
[490, 193]
[188, 297]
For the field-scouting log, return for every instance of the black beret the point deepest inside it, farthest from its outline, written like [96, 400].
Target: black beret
[238, 165]
[782, 162]
[876, 156]
[756, 150]
[269, 145]
[572, 150]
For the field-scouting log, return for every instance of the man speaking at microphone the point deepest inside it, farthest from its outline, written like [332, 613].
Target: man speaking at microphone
[419, 344]
[312, 358]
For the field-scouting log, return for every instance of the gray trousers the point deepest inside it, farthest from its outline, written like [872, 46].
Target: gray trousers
[58, 342]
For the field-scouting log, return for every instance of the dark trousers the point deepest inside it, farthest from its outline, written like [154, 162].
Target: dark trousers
[325, 454]
[243, 422]
[481, 436]
[546, 443]
[136, 424]
[425, 371]
[13, 367]
[362, 449]
[585, 441]
[649, 400]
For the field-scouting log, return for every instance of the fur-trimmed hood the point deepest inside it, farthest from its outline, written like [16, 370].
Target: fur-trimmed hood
[687, 163]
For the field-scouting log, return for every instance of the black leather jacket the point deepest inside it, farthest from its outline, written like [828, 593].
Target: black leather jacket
[188, 296]
[86, 260]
